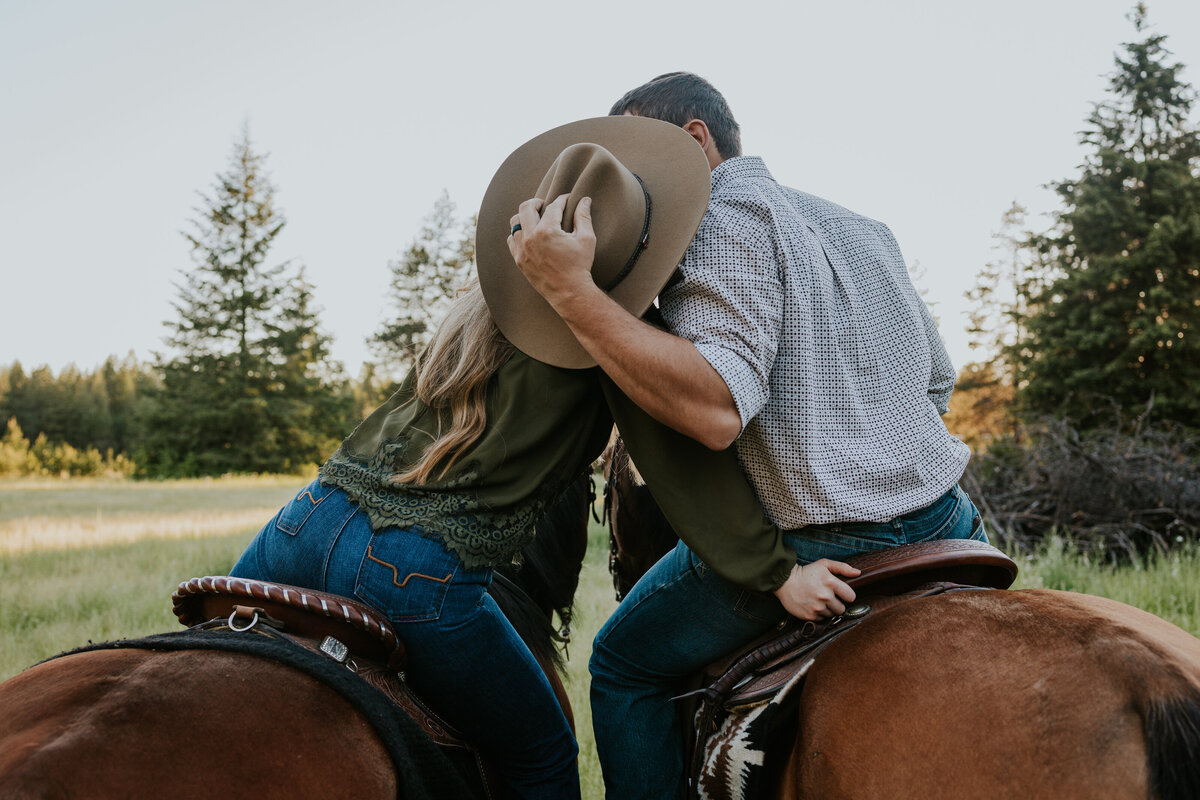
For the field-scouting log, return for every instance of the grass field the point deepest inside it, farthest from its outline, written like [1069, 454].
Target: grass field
[89, 561]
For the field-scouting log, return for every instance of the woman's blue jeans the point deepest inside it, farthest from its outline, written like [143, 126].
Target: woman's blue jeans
[682, 616]
[464, 657]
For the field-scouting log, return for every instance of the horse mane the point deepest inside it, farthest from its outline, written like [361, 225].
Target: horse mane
[1171, 726]
[544, 579]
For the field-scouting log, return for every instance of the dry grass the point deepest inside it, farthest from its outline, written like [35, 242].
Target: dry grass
[27, 534]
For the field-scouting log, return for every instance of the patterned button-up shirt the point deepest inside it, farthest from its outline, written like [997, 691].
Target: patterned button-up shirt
[808, 313]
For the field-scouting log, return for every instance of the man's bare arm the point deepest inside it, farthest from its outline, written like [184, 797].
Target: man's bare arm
[662, 373]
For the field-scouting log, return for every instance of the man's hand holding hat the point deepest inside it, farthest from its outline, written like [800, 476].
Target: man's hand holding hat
[556, 263]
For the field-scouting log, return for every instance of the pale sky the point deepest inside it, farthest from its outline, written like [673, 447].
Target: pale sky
[932, 117]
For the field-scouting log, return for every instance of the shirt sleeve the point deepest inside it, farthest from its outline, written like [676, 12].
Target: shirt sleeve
[706, 497]
[941, 369]
[729, 299]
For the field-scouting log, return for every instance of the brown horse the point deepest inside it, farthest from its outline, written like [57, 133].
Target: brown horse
[132, 722]
[1021, 694]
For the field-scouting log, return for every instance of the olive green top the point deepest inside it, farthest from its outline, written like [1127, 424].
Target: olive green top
[545, 427]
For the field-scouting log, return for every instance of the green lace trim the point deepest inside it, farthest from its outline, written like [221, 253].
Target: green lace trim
[449, 510]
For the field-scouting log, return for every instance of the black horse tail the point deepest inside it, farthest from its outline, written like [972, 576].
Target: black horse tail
[527, 619]
[1171, 727]
[547, 577]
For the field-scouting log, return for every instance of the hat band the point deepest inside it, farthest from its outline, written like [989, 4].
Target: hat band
[643, 240]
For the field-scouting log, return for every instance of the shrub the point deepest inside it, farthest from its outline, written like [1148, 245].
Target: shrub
[1121, 492]
[20, 458]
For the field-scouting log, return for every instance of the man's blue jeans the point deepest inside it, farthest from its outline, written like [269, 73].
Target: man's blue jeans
[464, 657]
[681, 616]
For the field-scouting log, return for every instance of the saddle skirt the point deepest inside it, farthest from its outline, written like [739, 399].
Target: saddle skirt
[747, 696]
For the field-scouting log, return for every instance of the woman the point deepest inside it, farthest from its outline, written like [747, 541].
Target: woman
[435, 488]
[446, 479]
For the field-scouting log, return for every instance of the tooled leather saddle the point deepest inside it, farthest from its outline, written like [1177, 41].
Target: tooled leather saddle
[735, 690]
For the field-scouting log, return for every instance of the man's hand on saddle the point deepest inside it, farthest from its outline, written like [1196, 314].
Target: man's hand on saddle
[815, 591]
[556, 263]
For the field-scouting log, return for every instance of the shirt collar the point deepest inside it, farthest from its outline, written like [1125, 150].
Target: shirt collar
[739, 168]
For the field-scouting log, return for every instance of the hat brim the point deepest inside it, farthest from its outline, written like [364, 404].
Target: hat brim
[678, 179]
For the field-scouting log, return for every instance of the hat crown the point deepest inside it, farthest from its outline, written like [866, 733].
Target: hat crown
[609, 159]
[619, 203]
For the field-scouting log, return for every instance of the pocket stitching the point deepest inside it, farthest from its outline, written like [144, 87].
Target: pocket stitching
[380, 600]
[410, 576]
[290, 529]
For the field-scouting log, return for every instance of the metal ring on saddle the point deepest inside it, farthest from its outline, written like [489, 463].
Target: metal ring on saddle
[233, 627]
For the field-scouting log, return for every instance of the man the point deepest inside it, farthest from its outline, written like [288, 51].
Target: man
[797, 335]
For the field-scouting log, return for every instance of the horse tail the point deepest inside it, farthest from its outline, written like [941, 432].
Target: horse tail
[547, 577]
[527, 619]
[1171, 726]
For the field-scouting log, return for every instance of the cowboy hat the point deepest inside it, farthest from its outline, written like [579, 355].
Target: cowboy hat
[649, 182]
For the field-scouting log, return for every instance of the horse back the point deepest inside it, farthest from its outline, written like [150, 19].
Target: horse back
[1043, 693]
[129, 723]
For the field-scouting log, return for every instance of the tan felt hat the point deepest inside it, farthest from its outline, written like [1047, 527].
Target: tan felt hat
[649, 182]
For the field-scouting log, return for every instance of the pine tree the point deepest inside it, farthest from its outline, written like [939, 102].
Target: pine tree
[249, 384]
[1113, 313]
[423, 282]
[998, 319]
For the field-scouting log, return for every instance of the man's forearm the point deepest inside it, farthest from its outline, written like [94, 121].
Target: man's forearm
[662, 373]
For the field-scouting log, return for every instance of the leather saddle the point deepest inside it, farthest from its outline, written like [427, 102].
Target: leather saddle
[346, 631]
[755, 674]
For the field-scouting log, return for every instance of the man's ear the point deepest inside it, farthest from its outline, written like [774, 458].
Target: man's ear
[700, 132]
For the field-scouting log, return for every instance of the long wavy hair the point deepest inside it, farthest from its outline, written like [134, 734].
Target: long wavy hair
[453, 373]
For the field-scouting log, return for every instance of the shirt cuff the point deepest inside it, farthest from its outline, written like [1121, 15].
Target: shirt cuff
[748, 388]
[779, 576]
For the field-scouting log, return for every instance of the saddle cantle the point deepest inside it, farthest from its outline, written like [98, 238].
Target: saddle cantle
[301, 612]
[962, 561]
[735, 689]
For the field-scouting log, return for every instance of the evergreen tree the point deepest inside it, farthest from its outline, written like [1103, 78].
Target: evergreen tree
[998, 318]
[1113, 311]
[423, 282]
[982, 406]
[128, 385]
[249, 385]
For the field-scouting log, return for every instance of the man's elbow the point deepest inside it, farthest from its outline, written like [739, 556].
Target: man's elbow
[720, 429]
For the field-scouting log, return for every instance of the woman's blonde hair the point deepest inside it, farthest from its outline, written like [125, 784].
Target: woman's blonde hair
[453, 373]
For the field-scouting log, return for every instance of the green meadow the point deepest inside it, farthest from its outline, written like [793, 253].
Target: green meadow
[95, 560]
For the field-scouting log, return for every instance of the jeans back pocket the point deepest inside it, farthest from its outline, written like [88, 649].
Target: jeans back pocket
[406, 575]
[293, 516]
